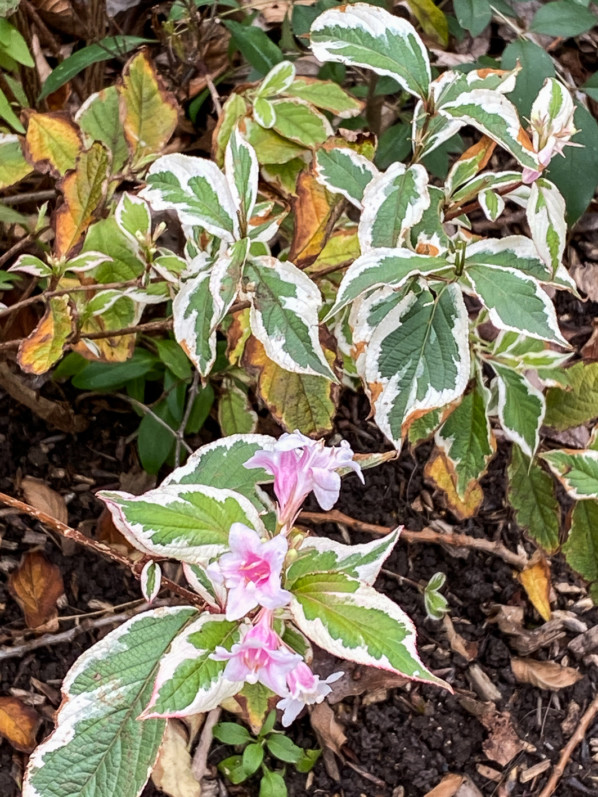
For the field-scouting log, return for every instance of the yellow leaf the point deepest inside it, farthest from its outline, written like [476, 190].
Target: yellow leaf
[18, 723]
[238, 334]
[536, 582]
[342, 247]
[36, 585]
[44, 346]
[13, 166]
[297, 401]
[316, 211]
[441, 471]
[84, 190]
[431, 18]
[150, 111]
[52, 142]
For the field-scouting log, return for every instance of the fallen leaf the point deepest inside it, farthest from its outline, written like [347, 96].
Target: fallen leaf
[18, 723]
[38, 494]
[359, 680]
[469, 650]
[327, 728]
[172, 772]
[453, 785]
[536, 581]
[275, 12]
[44, 346]
[36, 585]
[441, 472]
[503, 743]
[586, 278]
[544, 674]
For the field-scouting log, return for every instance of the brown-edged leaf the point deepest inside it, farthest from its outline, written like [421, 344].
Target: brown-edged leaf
[18, 723]
[316, 211]
[441, 471]
[544, 674]
[536, 582]
[44, 346]
[328, 729]
[172, 772]
[36, 585]
[149, 111]
[52, 142]
[38, 494]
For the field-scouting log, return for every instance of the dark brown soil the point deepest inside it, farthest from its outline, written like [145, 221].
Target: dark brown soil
[413, 736]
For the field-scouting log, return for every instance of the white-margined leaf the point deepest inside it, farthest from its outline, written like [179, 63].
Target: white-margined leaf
[190, 523]
[321, 555]
[132, 215]
[393, 202]
[416, 357]
[242, 172]
[284, 315]
[483, 182]
[189, 681]
[150, 580]
[392, 267]
[213, 594]
[195, 319]
[264, 113]
[344, 171]
[545, 212]
[492, 204]
[354, 622]
[576, 470]
[521, 408]
[278, 80]
[29, 264]
[298, 121]
[196, 190]
[99, 747]
[552, 113]
[370, 37]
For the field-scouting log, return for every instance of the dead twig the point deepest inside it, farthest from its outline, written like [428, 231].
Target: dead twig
[180, 434]
[577, 737]
[200, 759]
[98, 547]
[163, 325]
[425, 535]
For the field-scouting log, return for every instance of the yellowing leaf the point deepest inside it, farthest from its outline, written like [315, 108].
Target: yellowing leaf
[316, 211]
[297, 401]
[441, 472]
[44, 346]
[18, 723]
[536, 582]
[13, 166]
[36, 585]
[544, 674]
[431, 18]
[150, 111]
[52, 142]
[84, 190]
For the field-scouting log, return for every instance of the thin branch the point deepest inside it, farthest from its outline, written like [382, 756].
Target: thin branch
[475, 205]
[19, 247]
[163, 325]
[28, 196]
[148, 410]
[425, 535]
[98, 547]
[180, 435]
[200, 758]
[567, 752]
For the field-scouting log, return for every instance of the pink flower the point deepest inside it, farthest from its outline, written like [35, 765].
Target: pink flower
[300, 465]
[305, 689]
[259, 657]
[251, 572]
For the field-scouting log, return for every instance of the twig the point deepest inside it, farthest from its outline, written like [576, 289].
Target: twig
[148, 410]
[70, 634]
[199, 764]
[180, 434]
[425, 535]
[98, 547]
[16, 249]
[577, 737]
[163, 325]
[28, 196]
[475, 205]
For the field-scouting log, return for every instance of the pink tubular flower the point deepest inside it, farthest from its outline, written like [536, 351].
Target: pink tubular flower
[251, 572]
[259, 657]
[300, 465]
[305, 689]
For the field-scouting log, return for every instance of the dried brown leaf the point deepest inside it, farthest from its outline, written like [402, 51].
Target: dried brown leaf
[453, 785]
[469, 650]
[327, 728]
[536, 582]
[544, 674]
[36, 585]
[172, 772]
[38, 494]
[316, 211]
[18, 723]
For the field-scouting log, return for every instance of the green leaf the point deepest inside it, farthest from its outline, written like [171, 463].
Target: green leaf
[173, 357]
[581, 548]
[309, 760]
[531, 494]
[432, 20]
[272, 784]
[105, 691]
[370, 37]
[473, 15]
[13, 166]
[231, 733]
[186, 522]
[113, 376]
[13, 44]
[189, 681]
[590, 87]
[577, 471]
[343, 171]
[576, 404]
[235, 413]
[104, 50]
[521, 408]
[297, 121]
[155, 441]
[354, 622]
[536, 65]
[9, 116]
[125, 261]
[562, 18]
[233, 769]
[326, 95]
[283, 748]
[253, 755]
[255, 45]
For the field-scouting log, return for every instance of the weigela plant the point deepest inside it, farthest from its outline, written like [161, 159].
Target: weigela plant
[270, 589]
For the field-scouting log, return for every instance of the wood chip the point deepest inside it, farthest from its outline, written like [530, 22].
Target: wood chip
[482, 685]
[584, 643]
[533, 772]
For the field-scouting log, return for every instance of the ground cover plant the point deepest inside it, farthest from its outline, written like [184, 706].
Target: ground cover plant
[349, 230]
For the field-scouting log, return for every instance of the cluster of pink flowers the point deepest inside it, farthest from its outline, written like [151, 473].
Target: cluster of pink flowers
[252, 572]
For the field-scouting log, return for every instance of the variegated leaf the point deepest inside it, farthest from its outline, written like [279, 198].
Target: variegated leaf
[491, 203]
[393, 202]
[189, 681]
[196, 190]
[416, 354]
[195, 319]
[392, 267]
[284, 315]
[213, 594]
[354, 622]
[545, 212]
[242, 172]
[99, 746]
[494, 180]
[343, 171]
[469, 164]
[576, 470]
[278, 80]
[370, 37]
[186, 522]
[150, 580]
[552, 114]
[299, 121]
[521, 408]
[132, 215]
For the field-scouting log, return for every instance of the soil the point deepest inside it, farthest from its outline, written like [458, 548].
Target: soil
[402, 740]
